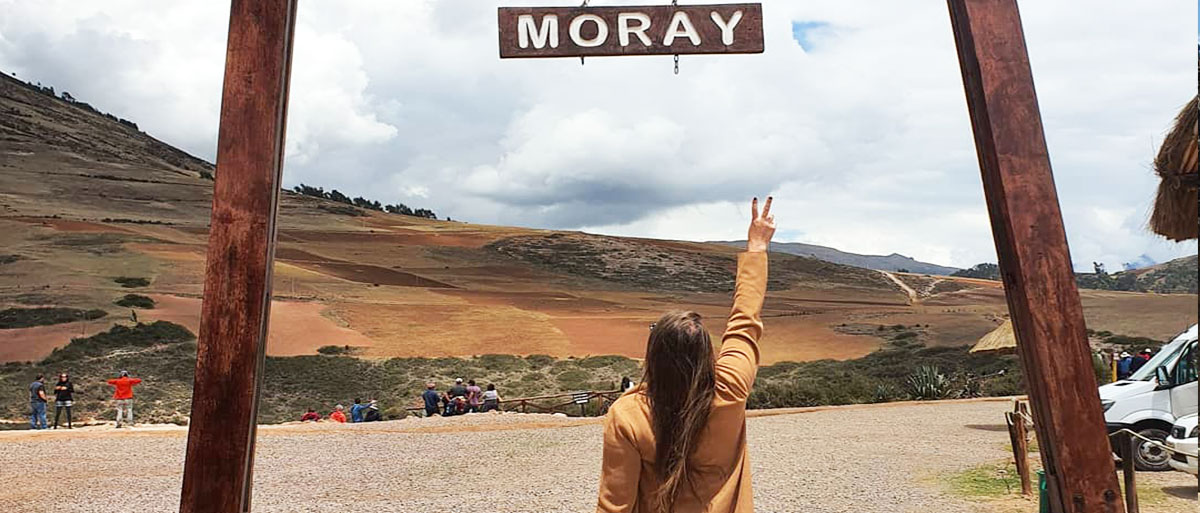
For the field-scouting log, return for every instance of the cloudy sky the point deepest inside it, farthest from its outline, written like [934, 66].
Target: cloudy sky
[854, 117]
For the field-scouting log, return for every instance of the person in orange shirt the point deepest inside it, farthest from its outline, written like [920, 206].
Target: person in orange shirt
[676, 442]
[124, 395]
[337, 416]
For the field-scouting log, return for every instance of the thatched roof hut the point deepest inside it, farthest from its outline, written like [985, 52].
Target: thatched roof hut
[1175, 210]
[1000, 340]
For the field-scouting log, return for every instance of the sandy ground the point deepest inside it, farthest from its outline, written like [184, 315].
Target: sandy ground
[872, 459]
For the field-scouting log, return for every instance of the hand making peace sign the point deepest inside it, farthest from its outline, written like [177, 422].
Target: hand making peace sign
[762, 228]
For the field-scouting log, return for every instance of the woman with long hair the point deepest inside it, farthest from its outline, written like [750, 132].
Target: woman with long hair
[677, 441]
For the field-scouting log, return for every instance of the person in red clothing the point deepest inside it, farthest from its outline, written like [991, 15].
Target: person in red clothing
[337, 416]
[124, 395]
[310, 416]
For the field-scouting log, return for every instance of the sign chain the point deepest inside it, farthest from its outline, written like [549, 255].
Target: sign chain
[675, 3]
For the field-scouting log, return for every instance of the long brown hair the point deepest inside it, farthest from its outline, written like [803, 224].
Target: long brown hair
[679, 378]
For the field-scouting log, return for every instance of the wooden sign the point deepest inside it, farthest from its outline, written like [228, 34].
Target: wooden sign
[630, 30]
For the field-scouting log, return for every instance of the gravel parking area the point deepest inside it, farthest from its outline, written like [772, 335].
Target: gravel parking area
[859, 459]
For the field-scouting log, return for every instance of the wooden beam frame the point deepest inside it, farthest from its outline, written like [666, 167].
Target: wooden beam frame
[1035, 263]
[241, 249]
[1026, 222]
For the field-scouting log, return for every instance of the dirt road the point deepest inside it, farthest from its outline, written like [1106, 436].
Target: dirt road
[874, 459]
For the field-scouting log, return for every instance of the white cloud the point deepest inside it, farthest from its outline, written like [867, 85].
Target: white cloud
[864, 139]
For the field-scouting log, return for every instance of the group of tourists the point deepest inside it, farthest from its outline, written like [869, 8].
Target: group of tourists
[1128, 364]
[460, 399]
[359, 412]
[64, 399]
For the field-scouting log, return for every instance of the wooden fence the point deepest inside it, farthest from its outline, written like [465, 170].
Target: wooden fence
[569, 403]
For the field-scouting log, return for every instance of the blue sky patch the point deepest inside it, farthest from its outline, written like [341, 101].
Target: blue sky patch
[801, 31]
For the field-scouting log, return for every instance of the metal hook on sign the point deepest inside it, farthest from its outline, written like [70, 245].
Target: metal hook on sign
[676, 64]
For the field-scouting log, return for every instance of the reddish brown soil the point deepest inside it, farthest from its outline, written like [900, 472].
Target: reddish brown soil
[296, 328]
[33, 344]
[67, 225]
[372, 274]
[410, 238]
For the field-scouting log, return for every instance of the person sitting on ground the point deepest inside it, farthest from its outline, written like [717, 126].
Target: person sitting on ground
[37, 403]
[356, 410]
[431, 398]
[372, 414]
[64, 392]
[626, 384]
[452, 397]
[677, 441]
[474, 396]
[123, 395]
[491, 398]
[337, 416]
[310, 416]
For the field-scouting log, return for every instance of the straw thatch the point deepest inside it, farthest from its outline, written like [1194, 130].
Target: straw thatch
[1175, 210]
[1000, 340]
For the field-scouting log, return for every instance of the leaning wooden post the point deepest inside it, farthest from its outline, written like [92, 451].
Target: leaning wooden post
[1035, 263]
[1020, 447]
[241, 245]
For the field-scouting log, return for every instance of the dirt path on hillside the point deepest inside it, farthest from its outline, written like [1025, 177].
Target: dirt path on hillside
[861, 459]
[913, 297]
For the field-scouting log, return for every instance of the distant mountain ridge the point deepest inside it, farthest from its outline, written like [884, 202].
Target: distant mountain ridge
[892, 262]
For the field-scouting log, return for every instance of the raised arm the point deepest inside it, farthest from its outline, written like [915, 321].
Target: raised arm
[737, 364]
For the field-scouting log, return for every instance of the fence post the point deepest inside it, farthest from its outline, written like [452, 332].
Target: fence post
[1128, 446]
[1020, 447]
[1023, 441]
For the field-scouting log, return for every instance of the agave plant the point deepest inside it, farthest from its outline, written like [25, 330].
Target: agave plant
[884, 393]
[928, 382]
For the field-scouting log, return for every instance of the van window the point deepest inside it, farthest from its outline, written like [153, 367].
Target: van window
[1165, 356]
[1186, 370]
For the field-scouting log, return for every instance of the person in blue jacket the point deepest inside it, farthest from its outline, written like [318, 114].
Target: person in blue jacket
[356, 411]
[431, 399]
[1124, 366]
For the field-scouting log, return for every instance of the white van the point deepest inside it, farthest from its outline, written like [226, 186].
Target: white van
[1151, 399]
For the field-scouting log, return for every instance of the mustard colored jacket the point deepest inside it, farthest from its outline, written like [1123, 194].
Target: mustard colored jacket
[720, 465]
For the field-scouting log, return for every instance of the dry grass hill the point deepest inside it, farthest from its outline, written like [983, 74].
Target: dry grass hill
[96, 215]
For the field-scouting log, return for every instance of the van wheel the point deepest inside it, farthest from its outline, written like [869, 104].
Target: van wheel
[1150, 457]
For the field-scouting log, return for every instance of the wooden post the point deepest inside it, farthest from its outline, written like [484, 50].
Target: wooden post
[1020, 447]
[1128, 445]
[241, 247]
[1035, 262]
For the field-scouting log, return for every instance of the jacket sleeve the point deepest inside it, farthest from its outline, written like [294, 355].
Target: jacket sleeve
[111, 382]
[620, 469]
[737, 364]
[135, 381]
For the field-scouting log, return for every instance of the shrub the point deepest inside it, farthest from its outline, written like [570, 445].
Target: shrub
[574, 379]
[884, 393]
[928, 383]
[501, 362]
[135, 301]
[539, 360]
[8, 259]
[335, 350]
[29, 317]
[207, 175]
[131, 282]
[141, 335]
